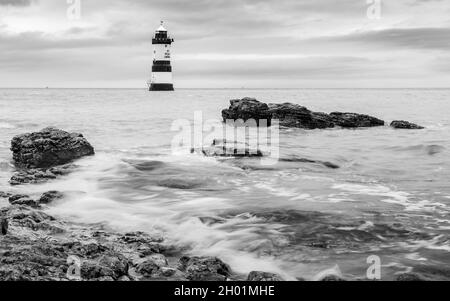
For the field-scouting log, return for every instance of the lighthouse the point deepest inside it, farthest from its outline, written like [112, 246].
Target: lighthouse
[161, 70]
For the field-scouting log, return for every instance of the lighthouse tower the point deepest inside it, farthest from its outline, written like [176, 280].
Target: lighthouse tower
[161, 70]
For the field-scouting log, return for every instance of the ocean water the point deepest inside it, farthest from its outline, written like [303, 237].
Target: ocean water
[390, 196]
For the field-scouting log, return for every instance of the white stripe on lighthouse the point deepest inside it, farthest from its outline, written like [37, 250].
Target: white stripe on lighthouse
[162, 77]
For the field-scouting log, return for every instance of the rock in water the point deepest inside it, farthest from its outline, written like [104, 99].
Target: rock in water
[293, 115]
[401, 124]
[247, 108]
[263, 276]
[23, 200]
[4, 225]
[353, 120]
[49, 147]
[224, 148]
[50, 196]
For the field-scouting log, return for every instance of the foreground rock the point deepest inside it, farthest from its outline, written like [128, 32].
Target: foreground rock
[296, 116]
[38, 247]
[401, 124]
[49, 147]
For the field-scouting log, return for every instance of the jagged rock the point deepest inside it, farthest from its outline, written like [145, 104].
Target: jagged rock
[204, 268]
[4, 225]
[50, 196]
[401, 124]
[294, 115]
[247, 108]
[49, 147]
[263, 276]
[24, 200]
[353, 120]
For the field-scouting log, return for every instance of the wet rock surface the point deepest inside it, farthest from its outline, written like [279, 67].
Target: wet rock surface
[296, 116]
[49, 147]
[401, 124]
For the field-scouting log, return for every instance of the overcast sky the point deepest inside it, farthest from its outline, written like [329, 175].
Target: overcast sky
[227, 43]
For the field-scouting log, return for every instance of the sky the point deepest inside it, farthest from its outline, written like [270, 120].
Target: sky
[227, 43]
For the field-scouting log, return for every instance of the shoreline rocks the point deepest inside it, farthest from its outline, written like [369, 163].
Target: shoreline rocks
[48, 148]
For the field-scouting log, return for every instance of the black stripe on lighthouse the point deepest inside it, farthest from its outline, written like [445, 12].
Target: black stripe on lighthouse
[161, 66]
[161, 87]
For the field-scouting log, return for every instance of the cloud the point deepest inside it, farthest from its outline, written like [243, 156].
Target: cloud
[418, 38]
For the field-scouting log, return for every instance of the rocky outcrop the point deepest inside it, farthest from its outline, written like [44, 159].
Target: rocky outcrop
[247, 108]
[401, 124]
[296, 116]
[263, 276]
[49, 147]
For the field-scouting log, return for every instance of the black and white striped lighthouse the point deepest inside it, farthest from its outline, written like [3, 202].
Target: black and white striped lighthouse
[161, 70]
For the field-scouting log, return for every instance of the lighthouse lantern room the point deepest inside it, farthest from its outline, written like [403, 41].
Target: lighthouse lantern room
[161, 79]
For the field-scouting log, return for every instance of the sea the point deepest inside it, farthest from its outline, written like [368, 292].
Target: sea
[386, 208]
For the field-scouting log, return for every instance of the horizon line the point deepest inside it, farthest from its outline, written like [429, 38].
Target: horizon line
[232, 88]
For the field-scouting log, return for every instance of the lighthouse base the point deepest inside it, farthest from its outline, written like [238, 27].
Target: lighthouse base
[161, 87]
